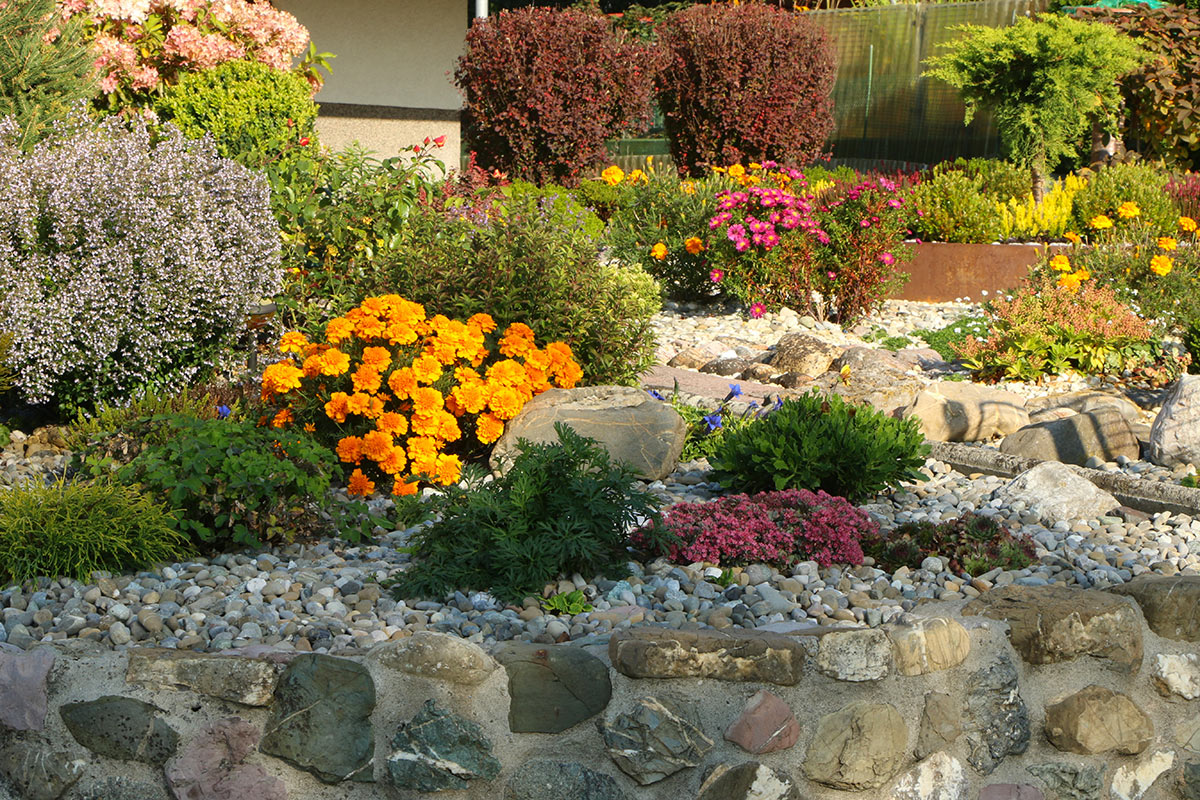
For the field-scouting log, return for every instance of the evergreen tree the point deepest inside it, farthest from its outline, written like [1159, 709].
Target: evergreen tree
[45, 66]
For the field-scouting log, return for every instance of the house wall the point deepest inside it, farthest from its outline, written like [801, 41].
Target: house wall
[391, 84]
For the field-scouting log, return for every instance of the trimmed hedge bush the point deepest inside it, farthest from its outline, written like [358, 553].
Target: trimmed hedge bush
[744, 83]
[545, 89]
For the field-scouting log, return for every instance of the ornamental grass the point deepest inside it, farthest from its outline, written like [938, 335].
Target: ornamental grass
[403, 397]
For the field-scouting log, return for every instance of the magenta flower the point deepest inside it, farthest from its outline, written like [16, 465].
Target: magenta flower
[716, 275]
[741, 245]
[757, 310]
[864, 223]
[887, 258]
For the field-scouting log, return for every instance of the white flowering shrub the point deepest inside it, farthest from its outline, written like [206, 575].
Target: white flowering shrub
[126, 264]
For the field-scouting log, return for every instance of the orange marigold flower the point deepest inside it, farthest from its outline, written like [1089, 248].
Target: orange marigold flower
[293, 342]
[281, 377]
[449, 469]
[376, 445]
[310, 428]
[1061, 263]
[426, 369]
[470, 396]
[693, 245]
[426, 400]
[360, 484]
[569, 375]
[507, 373]
[504, 401]
[401, 333]
[312, 366]
[394, 462]
[403, 383]
[1187, 224]
[393, 423]
[404, 488]
[464, 375]
[283, 417]
[358, 403]
[376, 306]
[1101, 222]
[539, 359]
[560, 354]
[659, 251]
[517, 340]
[338, 329]
[367, 379]
[1071, 237]
[422, 448]
[337, 407]
[349, 449]
[1167, 243]
[378, 357]
[443, 350]
[1161, 265]
[538, 380]
[447, 427]
[488, 428]
[366, 326]
[375, 407]
[425, 425]
[1128, 210]
[483, 322]
[334, 362]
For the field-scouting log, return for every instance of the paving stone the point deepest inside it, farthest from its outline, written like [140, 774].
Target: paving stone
[552, 687]
[321, 719]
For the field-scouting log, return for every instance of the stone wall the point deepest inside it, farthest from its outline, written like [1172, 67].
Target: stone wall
[1022, 693]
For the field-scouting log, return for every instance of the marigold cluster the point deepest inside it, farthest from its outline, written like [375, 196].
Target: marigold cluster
[394, 391]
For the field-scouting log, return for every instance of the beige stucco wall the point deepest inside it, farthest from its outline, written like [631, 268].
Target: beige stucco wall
[391, 84]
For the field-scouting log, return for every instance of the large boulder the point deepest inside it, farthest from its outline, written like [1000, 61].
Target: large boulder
[636, 429]
[803, 353]
[1098, 720]
[438, 751]
[1056, 492]
[552, 687]
[247, 681]
[435, 655]
[1102, 433]
[654, 740]
[872, 377]
[211, 766]
[960, 411]
[1057, 406]
[1170, 603]
[1175, 434]
[122, 728]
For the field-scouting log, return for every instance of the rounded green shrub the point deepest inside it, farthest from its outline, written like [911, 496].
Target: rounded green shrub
[73, 529]
[1113, 186]
[817, 442]
[953, 207]
[254, 112]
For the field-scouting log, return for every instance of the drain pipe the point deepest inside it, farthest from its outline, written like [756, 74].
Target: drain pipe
[481, 9]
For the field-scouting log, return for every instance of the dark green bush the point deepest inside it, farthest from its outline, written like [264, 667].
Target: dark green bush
[814, 442]
[526, 262]
[561, 508]
[971, 544]
[255, 113]
[1112, 186]
[234, 484]
[74, 529]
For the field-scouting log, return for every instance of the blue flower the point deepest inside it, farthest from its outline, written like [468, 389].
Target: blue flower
[223, 411]
[735, 390]
[778, 404]
[656, 395]
[713, 420]
[753, 405]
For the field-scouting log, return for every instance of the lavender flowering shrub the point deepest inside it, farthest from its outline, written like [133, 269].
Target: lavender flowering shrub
[770, 527]
[126, 264]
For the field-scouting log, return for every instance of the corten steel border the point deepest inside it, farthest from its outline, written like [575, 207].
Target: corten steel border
[941, 272]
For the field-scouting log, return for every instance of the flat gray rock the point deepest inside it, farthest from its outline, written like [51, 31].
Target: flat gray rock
[1056, 492]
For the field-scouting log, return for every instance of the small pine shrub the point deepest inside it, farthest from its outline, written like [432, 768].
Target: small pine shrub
[545, 89]
[772, 527]
[972, 544]
[254, 113]
[71, 530]
[526, 262]
[744, 83]
[814, 442]
[562, 507]
[126, 264]
[45, 67]
[1113, 186]
[234, 484]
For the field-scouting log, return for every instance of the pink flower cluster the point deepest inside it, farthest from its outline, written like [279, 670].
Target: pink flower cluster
[772, 527]
[777, 210]
[142, 43]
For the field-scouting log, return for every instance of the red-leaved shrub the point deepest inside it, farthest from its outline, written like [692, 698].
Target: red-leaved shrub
[769, 527]
[744, 83]
[544, 89]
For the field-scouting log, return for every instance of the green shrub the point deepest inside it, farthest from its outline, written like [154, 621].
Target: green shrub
[254, 112]
[1191, 341]
[525, 262]
[234, 484]
[814, 442]
[999, 179]
[707, 427]
[108, 419]
[74, 529]
[971, 544]
[953, 207]
[602, 197]
[663, 209]
[562, 507]
[944, 339]
[559, 202]
[1111, 187]
[45, 67]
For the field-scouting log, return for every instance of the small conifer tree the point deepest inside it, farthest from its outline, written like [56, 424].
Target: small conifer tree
[45, 66]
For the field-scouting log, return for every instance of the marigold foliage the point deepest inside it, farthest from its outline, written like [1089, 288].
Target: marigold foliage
[126, 265]
[743, 83]
[771, 527]
[401, 396]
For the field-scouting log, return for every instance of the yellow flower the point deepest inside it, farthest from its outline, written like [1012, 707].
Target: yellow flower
[1161, 265]
[1060, 263]
[293, 342]
[1072, 237]
[613, 175]
[693, 245]
[1128, 210]
[637, 176]
[659, 251]
[1100, 222]
[1187, 224]
[280, 378]
[737, 171]
[282, 418]
[1167, 243]
[688, 187]
[1070, 281]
